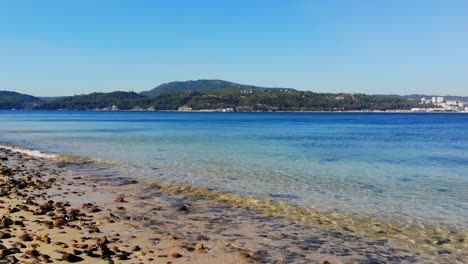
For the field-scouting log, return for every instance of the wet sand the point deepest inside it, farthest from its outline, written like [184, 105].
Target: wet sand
[50, 213]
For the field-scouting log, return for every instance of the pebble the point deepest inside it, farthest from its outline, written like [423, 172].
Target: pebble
[25, 237]
[176, 255]
[71, 258]
[4, 253]
[4, 235]
[136, 248]
[443, 251]
[32, 252]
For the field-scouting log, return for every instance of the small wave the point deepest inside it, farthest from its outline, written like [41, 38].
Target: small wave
[69, 158]
[30, 152]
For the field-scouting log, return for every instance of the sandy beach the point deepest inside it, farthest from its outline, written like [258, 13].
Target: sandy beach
[51, 214]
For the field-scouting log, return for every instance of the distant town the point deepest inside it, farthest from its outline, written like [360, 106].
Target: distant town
[441, 105]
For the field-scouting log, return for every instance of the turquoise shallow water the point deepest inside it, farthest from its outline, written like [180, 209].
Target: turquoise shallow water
[405, 166]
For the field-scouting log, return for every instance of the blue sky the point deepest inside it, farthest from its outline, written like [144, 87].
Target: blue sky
[55, 47]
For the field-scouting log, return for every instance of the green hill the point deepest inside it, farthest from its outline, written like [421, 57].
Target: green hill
[202, 86]
[14, 100]
[232, 99]
[121, 100]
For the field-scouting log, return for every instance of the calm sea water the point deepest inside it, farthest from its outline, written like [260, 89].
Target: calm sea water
[409, 166]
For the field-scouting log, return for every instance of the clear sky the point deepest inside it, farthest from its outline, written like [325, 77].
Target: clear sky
[55, 47]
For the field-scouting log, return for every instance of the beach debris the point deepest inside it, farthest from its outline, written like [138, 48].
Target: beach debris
[43, 238]
[61, 244]
[199, 246]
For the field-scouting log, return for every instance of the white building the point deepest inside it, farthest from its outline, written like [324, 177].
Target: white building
[437, 99]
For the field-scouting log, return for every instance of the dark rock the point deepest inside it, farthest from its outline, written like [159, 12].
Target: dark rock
[4, 253]
[136, 248]
[12, 259]
[32, 253]
[123, 256]
[183, 208]
[71, 258]
[14, 210]
[245, 255]
[25, 237]
[443, 251]
[4, 235]
[440, 240]
[18, 245]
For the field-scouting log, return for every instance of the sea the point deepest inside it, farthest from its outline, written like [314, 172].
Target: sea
[411, 167]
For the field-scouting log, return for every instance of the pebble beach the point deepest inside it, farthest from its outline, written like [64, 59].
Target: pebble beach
[50, 215]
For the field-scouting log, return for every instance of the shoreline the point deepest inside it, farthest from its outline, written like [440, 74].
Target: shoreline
[193, 210]
[403, 111]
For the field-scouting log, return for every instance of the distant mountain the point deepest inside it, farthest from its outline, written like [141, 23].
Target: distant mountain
[121, 100]
[202, 86]
[14, 100]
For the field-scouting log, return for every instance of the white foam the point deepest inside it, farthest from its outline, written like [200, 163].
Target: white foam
[30, 152]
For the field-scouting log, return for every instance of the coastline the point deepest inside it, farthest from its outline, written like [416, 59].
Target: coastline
[231, 229]
[401, 111]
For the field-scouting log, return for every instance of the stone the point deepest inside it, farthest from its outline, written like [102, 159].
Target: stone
[32, 253]
[25, 237]
[245, 255]
[183, 208]
[6, 222]
[176, 255]
[136, 248]
[14, 210]
[4, 253]
[18, 245]
[71, 258]
[4, 235]
[81, 246]
[443, 251]
[12, 259]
